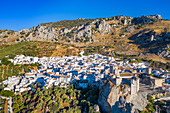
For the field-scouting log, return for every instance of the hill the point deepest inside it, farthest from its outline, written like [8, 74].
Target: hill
[122, 34]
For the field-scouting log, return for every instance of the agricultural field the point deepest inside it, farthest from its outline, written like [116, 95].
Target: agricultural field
[13, 70]
[2, 105]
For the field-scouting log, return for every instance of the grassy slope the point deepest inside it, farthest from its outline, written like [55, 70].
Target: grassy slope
[28, 48]
[38, 49]
[68, 23]
[12, 49]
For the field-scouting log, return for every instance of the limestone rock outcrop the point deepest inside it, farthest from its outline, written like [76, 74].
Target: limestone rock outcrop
[146, 19]
[45, 32]
[117, 99]
[164, 52]
[104, 27]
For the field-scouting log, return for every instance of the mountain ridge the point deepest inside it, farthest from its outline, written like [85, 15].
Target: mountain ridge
[146, 34]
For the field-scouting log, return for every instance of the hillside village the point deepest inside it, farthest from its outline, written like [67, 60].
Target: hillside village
[69, 56]
[136, 79]
[118, 64]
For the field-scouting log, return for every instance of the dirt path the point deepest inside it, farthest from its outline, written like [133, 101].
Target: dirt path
[7, 72]
[22, 71]
[6, 106]
[12, 70]
[3, 74]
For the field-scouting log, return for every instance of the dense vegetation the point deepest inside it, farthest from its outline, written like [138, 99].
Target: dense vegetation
[13, 70]
[68, 23]
[8, 69]
[6, 93]
[2, 105]
[56, 99]
[3, 102]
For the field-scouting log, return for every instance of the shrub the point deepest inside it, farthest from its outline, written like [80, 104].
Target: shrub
[139, 59]
[5, 36]
[149, 98]
[162, 103]
[17, 39]
[27, 34]
[8, 33]
[5, 61]
[7, 93]
[22, 33]
[153, 19]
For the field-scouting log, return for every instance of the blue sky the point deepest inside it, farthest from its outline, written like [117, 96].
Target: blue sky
[24, 14]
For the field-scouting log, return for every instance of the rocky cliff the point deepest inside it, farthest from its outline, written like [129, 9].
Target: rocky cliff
[117, 99]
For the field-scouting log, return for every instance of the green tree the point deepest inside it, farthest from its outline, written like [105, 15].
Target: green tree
[91, 110]
[7, 93]
[39, 105]
[5, 61]
[75, 102]
[54, 108]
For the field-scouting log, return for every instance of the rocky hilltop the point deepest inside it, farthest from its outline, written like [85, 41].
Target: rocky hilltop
[75, 30]
[118, 99]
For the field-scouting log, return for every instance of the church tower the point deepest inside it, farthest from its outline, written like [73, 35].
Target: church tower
[134, 85]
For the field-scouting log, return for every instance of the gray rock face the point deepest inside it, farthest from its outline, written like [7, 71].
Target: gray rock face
[146, 19]
[124, 19]
[117, 99]
[129, 28]
[66, 30]
[164, 52]
[44, 32]
[104, 27]
[3, 33]
[84, 31]
[167, 37]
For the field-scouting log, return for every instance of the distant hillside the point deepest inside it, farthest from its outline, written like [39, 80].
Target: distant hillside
[123, 34]
[68, 23]
[38, 49]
